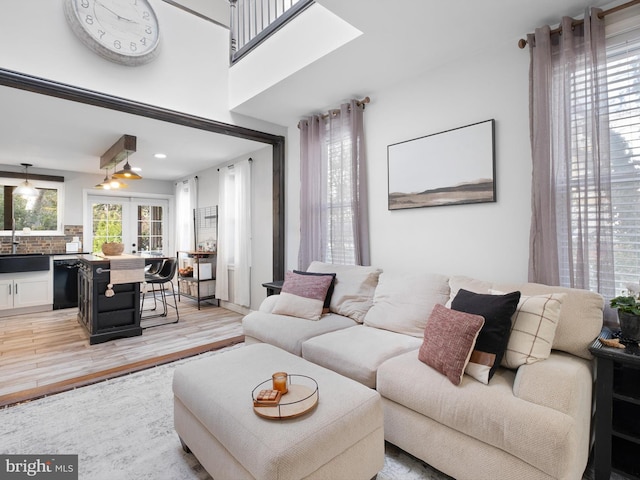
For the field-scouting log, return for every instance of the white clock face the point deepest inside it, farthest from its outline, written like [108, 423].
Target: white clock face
[123, 31]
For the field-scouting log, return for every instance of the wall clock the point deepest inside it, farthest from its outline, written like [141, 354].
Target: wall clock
[123, 31]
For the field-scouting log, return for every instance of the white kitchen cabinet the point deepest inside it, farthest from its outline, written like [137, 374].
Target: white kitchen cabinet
[25, 290]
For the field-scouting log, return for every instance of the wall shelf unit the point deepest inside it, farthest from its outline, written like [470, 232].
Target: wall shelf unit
[197, 275]
[617, 410]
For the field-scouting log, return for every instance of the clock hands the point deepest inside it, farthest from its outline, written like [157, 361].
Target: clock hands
[114, 13]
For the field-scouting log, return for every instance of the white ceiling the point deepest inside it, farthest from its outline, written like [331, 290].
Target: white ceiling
[52, 133]
[400, 40]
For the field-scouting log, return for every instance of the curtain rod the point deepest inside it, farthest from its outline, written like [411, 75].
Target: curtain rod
[232, 164]
[523, 43]
[360, 103]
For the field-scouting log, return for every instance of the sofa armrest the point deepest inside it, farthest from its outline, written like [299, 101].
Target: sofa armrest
[562, 382]
[268, 303]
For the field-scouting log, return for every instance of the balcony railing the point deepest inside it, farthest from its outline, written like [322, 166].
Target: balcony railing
[252, 21]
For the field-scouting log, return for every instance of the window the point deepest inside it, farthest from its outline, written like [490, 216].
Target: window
[41, 214]
[334, 224]
[340, 247]
[623, 79]
[623, 106]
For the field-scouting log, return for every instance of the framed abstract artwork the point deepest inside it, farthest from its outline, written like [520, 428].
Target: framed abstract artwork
[453, 167]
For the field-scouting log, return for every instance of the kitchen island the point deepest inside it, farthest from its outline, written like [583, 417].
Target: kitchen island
[106, 317]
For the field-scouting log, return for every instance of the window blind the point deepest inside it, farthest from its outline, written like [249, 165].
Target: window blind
[623, 86]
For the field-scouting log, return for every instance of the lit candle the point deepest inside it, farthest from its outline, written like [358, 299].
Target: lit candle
[280, 381]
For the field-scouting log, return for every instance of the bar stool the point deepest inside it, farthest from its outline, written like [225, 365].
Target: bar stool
[163, 276]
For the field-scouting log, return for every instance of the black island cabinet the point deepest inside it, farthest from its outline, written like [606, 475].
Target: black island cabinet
[106, 317]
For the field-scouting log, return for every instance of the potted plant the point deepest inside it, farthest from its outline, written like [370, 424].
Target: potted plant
[628, 306]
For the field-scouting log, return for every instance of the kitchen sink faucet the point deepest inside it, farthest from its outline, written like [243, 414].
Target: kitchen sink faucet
[14, 242]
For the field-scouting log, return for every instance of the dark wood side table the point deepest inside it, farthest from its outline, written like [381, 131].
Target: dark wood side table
[617, 416]
[274, 287]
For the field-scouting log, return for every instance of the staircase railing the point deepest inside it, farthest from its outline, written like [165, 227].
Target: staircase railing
[252, 21]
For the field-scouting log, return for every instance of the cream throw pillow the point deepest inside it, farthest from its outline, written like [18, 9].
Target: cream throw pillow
[402, 303]
[533, 328]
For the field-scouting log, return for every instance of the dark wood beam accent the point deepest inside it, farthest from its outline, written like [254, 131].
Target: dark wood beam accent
[33, 176]
[64, 91]
[117, 152]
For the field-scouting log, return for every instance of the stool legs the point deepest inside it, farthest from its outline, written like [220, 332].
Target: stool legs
[165, 304]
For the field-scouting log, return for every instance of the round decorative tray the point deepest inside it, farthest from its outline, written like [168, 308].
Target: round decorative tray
[302, 397]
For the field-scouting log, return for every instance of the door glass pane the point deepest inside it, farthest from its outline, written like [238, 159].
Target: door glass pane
[150, 228]
[107, 224]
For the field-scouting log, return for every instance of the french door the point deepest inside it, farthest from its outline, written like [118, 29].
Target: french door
[140, 223]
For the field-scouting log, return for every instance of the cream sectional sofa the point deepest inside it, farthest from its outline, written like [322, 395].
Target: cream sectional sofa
[530, 422]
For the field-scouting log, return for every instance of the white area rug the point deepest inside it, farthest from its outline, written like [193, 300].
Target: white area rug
[122, 429]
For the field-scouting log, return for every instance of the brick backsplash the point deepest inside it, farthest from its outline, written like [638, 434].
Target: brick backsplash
[43, 243]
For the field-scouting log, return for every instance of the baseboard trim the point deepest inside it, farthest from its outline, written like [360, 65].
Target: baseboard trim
[58, 387]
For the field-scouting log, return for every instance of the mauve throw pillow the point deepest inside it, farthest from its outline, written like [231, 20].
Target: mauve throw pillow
[494, 336]
[449, 337]
[302, 295]
[327, 298]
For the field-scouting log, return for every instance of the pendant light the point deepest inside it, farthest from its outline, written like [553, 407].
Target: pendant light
[110, 183]
[105, 183]
[115, 183]
[25, 189]
[127, 172]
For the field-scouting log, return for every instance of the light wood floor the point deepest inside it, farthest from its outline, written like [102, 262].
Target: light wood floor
[49, 352]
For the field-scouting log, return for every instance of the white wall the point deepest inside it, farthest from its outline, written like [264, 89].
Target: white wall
[261, 215]
[490, 240]
[189, 75]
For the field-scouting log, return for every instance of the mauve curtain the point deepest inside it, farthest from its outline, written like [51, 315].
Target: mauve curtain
[571, 223]
[334, 225]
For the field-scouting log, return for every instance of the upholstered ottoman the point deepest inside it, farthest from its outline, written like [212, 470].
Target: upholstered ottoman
[342, 438]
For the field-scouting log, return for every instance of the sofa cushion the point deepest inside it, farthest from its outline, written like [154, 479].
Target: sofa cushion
[492, 340]
[402, 303]
[303, 295]
[353, 290]
[288, 332]
[457, 282]
[494, 415]
[327, 298]
[533, 328]
[449, 338]
[357, 352]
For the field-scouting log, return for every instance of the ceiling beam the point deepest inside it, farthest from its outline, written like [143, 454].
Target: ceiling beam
[120, 150]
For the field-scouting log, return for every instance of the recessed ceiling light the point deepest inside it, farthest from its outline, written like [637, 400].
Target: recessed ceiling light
[160, 155]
